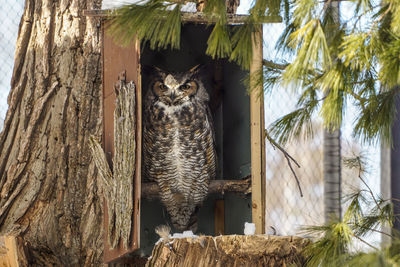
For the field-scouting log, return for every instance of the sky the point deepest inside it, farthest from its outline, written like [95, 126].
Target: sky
[12, 10]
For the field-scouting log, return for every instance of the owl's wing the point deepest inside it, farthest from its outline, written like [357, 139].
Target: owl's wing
[209, 118]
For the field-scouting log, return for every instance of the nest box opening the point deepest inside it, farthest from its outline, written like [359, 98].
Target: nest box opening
[230, 105]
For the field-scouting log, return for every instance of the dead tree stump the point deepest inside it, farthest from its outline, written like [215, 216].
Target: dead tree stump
[229, 250]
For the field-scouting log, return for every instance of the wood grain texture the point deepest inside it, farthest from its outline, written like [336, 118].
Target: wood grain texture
[8, 252]
[257, 135]
[219, 217]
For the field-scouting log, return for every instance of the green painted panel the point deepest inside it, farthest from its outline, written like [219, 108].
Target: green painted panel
[236, 109]
[237, 212]
[236, 146]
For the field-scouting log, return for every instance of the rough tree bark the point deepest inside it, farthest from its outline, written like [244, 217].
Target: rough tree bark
[49, 191]
[332, 170]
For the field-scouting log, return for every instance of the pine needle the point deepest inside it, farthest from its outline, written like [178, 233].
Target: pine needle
[242, 41]
[150, 22]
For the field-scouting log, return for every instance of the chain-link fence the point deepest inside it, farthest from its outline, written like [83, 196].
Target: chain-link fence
[286, 211]
[10, 13]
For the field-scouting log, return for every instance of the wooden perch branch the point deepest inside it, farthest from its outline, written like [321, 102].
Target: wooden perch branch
[150, 189]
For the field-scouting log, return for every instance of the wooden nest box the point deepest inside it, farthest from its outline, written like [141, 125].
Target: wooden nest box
[238, 194]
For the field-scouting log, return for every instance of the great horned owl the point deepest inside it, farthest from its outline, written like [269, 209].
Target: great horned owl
[178, 142]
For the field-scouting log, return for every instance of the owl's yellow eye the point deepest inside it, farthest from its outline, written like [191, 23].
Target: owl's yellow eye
[186, 86]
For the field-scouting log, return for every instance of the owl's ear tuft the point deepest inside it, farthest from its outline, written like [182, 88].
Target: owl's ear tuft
[199, 70]
[159, 71]
[195, 69]
[152, 70]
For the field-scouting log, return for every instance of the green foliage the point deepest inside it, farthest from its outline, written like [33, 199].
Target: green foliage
[304, 11]
[330, 249]
[335, 240]
[376, 116]
[366, 213]
[380, 258]
[159, 23]
[390, 58]
[219, 44]
[394, 8]
[312, 52]
[346, 62]
[151, 22]
[242, 43]
[297, 122]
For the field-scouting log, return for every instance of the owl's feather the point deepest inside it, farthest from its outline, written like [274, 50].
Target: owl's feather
[163, 231]
[178, 143]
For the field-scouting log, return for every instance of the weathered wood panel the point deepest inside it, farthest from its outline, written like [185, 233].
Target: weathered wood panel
[117, 59]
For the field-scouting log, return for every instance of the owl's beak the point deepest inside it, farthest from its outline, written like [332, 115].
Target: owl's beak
[172, 96]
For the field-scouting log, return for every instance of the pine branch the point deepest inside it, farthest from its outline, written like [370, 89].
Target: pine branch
[288, 158]
[380, 232]
[370, 192]
[297, 122]
[242, 43]
[365, 242]
[274, 65]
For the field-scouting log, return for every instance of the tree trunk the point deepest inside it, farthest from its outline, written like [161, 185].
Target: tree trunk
[395, 167]
[229, 250]
[49, 191]
[332, 170]
[332, 175]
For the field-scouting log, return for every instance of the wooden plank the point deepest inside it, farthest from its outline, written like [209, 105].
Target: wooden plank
[115, 60]
[8, 251]
[257, 136]
[219, 217]
[108, 122]
[195, 17]
[138, 174]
